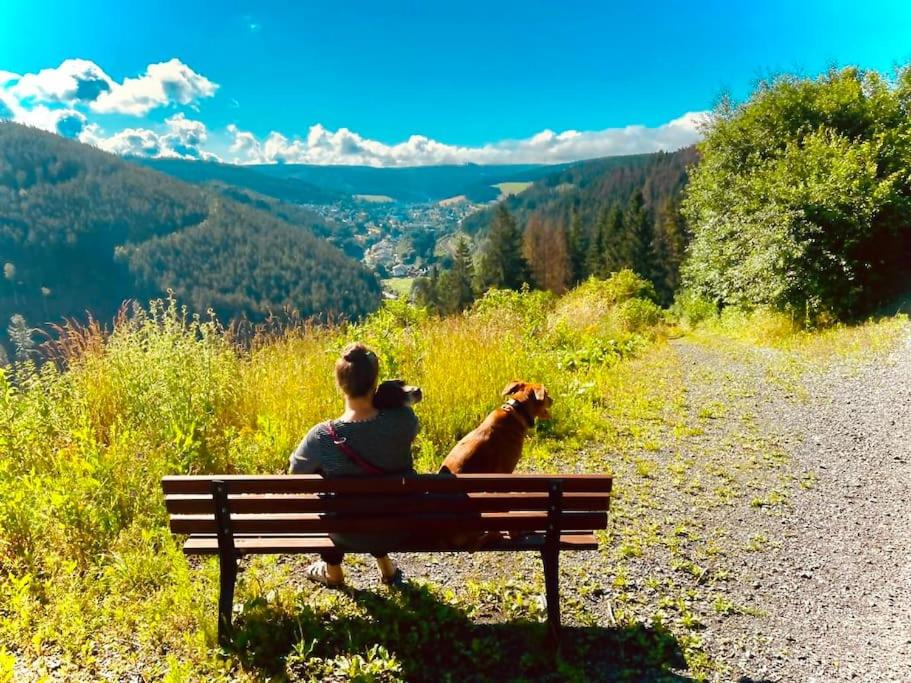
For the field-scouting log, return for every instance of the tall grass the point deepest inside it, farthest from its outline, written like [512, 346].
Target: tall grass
[88, 568]
[86, 560]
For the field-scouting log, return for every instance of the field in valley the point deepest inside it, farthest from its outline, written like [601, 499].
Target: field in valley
[508, 189]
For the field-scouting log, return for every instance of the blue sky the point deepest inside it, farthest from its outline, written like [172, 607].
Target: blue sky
[399, 83]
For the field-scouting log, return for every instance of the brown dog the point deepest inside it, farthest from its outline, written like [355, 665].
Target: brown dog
[495, 446]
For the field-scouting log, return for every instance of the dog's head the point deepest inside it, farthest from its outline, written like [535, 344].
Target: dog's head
[394, 393]
[533, 396]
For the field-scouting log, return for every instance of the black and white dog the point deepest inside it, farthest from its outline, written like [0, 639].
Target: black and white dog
[394, 393]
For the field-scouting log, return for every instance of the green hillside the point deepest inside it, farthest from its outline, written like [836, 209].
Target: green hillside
[285, 188]
[81, 231]
[587, 219]
[414, 184]
[589, 186]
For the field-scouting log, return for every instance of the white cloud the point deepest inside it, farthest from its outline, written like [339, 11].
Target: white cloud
[75, 80]
[322, 146]
[171, 82]
[64, 121]
[59, 99]
[182, 138]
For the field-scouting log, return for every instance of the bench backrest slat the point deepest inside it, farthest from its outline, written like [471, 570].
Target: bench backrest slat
[391, 525]
[525, 483]
[265, 503]
[436, 505]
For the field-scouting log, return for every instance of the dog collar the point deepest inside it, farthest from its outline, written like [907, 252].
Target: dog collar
[513, 406]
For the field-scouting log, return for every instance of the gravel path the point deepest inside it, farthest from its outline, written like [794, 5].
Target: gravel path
[839, 601]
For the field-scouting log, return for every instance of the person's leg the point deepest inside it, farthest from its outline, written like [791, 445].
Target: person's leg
[333, 557]
[388, 568]
[328, 571]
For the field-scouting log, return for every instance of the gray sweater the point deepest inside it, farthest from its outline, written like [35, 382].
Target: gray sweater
[385, 441]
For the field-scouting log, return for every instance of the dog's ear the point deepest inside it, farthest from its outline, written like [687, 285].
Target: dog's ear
[513, 387]
[540, 392]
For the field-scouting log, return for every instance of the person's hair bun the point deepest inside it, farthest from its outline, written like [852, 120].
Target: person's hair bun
[357, 369]
[356, 351]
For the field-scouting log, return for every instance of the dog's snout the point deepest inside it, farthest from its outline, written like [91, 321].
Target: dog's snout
[414, 394]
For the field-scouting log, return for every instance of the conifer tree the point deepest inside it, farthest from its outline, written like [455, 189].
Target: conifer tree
[615, 247]
[670, 245]
[577, 244]
[502, 264]
[640, 233]
[546, 251]
[594, 256]
[455, 291]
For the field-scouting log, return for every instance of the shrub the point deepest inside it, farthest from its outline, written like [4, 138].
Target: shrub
[592, 304]
[691, 309]
[639, 315]
[802, 198]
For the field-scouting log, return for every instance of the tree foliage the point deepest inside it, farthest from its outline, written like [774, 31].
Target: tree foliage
[611, 214]
[502, 263]
[802, 200]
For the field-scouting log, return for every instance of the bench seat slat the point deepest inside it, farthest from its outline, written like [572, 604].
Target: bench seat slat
[304, 523]
[199, 504]
[208, 545]
[529, 483]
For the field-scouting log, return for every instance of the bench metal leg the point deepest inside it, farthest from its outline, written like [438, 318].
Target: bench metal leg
[550, 556]
[227, 561]
[227, 565]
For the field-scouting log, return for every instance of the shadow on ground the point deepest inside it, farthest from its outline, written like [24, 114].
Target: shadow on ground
[434, 641]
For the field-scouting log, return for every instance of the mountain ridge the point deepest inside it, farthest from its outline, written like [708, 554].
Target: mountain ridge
[83, 230]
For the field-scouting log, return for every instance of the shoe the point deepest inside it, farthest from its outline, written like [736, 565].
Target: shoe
[397, 578]
[318, 573]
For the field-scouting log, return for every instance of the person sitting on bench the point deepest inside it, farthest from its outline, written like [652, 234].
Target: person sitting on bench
[362, 442]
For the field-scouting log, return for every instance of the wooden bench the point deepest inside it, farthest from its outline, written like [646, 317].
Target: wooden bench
[232, 516]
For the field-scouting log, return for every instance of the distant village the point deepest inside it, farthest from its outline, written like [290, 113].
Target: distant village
[395, 239]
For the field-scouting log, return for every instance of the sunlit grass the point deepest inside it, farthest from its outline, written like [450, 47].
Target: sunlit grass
[89, 571]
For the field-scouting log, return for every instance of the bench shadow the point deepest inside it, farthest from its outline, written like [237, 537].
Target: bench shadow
[434, 641]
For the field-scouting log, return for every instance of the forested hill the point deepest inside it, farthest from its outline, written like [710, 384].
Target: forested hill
[598, 217]
[81, 230]
[310, 184]
[589, 187]
[412, 184]
[287, 189]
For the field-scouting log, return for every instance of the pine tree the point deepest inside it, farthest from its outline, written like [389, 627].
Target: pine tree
[594, 255]
[615, 254]
[659, 261]
[673, 228]
[577, 244]
[456, 292]
[640, 233]
[502, 264]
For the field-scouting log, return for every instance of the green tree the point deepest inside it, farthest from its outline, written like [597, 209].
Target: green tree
[502, 264]
[577, 243]
[802, 200]
[454, 290]
[597, 244]
[668, 249]
[640, 235]
[615, 243]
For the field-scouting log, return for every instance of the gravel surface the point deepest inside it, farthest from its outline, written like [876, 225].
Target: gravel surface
[839, 601]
